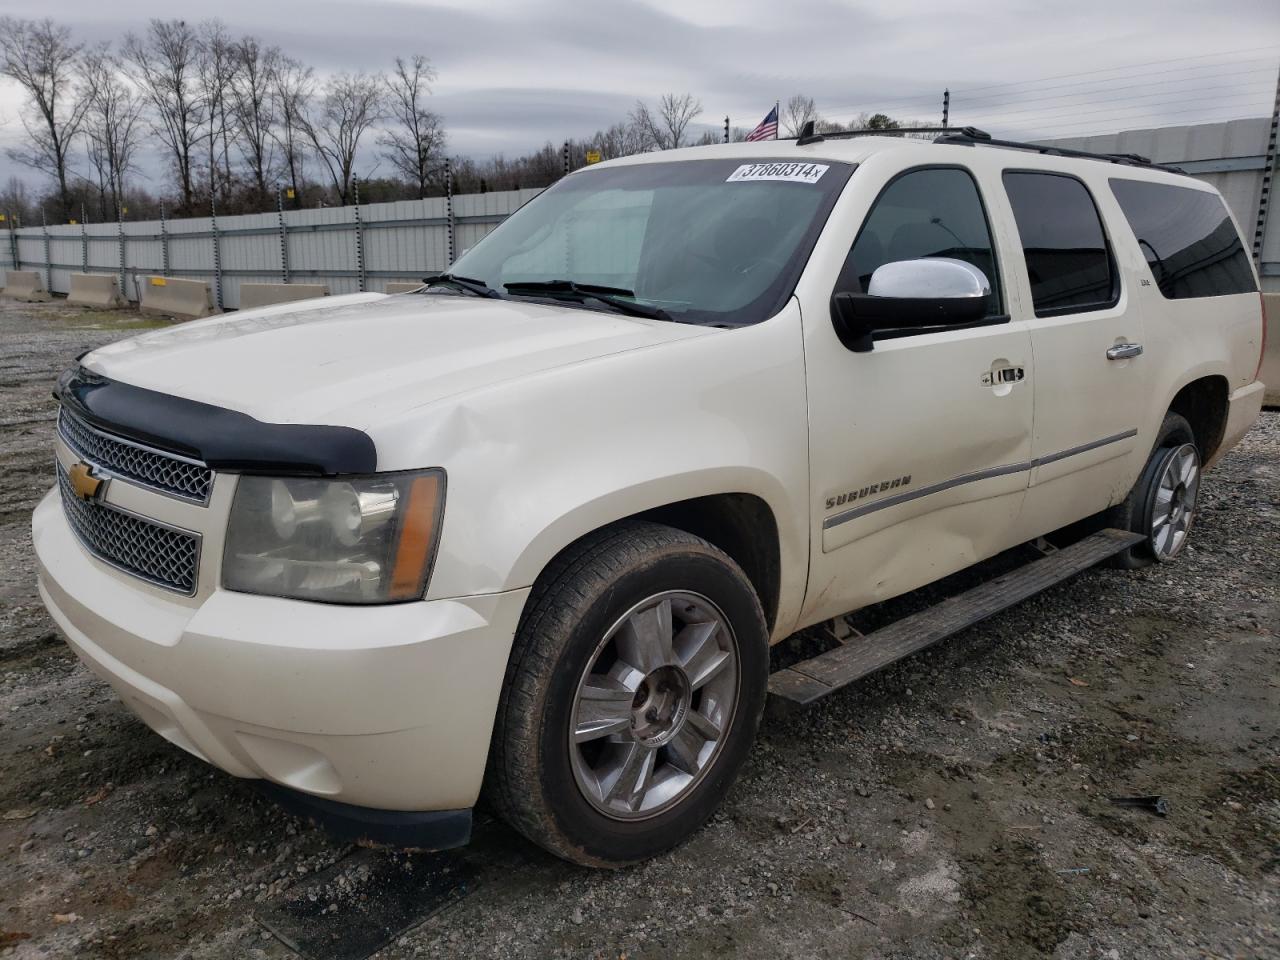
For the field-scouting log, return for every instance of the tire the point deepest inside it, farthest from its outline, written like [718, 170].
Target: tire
[592, 691]
[1144, 510]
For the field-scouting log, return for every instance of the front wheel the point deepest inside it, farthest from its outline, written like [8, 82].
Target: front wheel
[1162, 505]
[633, 695]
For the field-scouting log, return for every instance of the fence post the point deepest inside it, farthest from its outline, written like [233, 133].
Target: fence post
[355, 192]
[13, 243]
[1268, 171]
[217, 250]
[448, 207]
[84, 243]
[164, 244]
[48, 256]
[120, 252]
[284, 236]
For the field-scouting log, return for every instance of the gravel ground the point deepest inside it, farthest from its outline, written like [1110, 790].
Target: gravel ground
[953, 806]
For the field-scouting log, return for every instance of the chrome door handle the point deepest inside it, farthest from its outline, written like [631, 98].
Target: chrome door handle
[1124, 351]
[999, 375]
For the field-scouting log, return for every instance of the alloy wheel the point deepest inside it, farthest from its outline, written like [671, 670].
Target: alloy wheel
[654, 705]
[1175, 501]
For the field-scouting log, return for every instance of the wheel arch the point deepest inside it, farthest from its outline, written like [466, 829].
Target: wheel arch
[744, 527]
[1204, 402]
[743, 524]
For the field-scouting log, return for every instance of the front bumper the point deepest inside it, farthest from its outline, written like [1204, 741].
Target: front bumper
[385, 707]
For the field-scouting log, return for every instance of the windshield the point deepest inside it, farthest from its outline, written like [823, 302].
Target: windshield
[700, 241]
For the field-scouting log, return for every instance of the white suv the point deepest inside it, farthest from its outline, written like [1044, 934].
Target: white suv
[536, 526]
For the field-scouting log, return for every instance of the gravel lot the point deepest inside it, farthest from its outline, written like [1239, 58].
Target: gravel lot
[954, 806]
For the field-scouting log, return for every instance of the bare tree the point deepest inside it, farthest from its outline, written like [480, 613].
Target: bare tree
[619, 140]
[414, 145]
[254, 109]
[15, 201]
[216, 66]
[677, 112]
[350, 105]
[42, 59]
[664, 129]
[292, 86]
[112, 128]
[163, 62]
[798, 111]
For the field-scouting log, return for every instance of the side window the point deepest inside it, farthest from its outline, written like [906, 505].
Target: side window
[1188, 238]
[932, 212]
[1068, 260]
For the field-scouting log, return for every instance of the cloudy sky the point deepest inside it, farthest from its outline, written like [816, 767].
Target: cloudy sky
[516, 73]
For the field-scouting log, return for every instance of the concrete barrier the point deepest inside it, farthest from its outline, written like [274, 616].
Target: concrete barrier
[1271, 359]
[265, 294]
[25, 285]
[403, 286]
[188, 299]
[94, 290]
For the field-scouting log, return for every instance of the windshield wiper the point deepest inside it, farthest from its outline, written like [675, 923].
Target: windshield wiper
[593, 291]
[478, 287]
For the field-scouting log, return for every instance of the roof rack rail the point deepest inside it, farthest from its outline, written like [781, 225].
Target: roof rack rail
[972, 136]
[809, 135]
[1128, 159]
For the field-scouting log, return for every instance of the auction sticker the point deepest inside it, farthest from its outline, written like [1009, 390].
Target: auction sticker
[795, 172]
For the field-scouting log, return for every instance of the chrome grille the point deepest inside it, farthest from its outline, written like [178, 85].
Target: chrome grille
[167, 472]
[163, 555]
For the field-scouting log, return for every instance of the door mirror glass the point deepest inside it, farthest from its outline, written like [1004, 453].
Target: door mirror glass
[910, 295]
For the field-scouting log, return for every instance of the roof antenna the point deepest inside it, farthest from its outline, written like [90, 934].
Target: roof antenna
[807, 135]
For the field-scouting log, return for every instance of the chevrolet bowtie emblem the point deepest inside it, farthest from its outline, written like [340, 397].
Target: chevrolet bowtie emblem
[83, 482]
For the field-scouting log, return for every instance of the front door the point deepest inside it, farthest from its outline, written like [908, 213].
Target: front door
[919, 449]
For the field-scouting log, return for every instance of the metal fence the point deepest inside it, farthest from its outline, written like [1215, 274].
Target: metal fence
[362, 247]
[351, 249]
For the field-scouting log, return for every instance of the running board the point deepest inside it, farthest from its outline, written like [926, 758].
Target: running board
[813, 679]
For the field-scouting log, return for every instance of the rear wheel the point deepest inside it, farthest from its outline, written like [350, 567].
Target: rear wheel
[633, 694]
[1162, 505]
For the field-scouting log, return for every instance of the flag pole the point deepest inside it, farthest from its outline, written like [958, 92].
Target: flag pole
[777, 112]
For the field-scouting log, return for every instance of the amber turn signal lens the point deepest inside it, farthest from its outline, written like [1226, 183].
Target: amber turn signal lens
[417, 538]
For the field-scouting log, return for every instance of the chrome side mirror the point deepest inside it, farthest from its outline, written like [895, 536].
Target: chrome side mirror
[932, 278]
[911, 294]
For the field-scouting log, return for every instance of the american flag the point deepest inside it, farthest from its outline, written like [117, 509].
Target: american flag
[768, 128]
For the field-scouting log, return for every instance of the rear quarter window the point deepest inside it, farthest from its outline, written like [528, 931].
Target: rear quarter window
[1187, 237]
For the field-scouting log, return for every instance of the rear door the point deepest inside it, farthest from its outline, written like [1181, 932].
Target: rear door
[1087, 340]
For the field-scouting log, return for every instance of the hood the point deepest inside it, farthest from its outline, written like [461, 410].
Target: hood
[351, 360]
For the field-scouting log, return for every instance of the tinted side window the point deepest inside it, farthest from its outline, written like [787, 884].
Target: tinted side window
[1188, 238]
[1068, 260]
[924, 213]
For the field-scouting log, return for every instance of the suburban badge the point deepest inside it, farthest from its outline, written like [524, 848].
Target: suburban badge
[881, 487]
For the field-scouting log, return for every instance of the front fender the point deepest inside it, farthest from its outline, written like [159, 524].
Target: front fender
[535, 463]
[648, 495]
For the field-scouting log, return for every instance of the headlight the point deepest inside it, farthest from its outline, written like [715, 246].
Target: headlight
[350, 540]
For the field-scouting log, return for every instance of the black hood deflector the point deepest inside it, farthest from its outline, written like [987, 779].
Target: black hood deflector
[224, 439]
